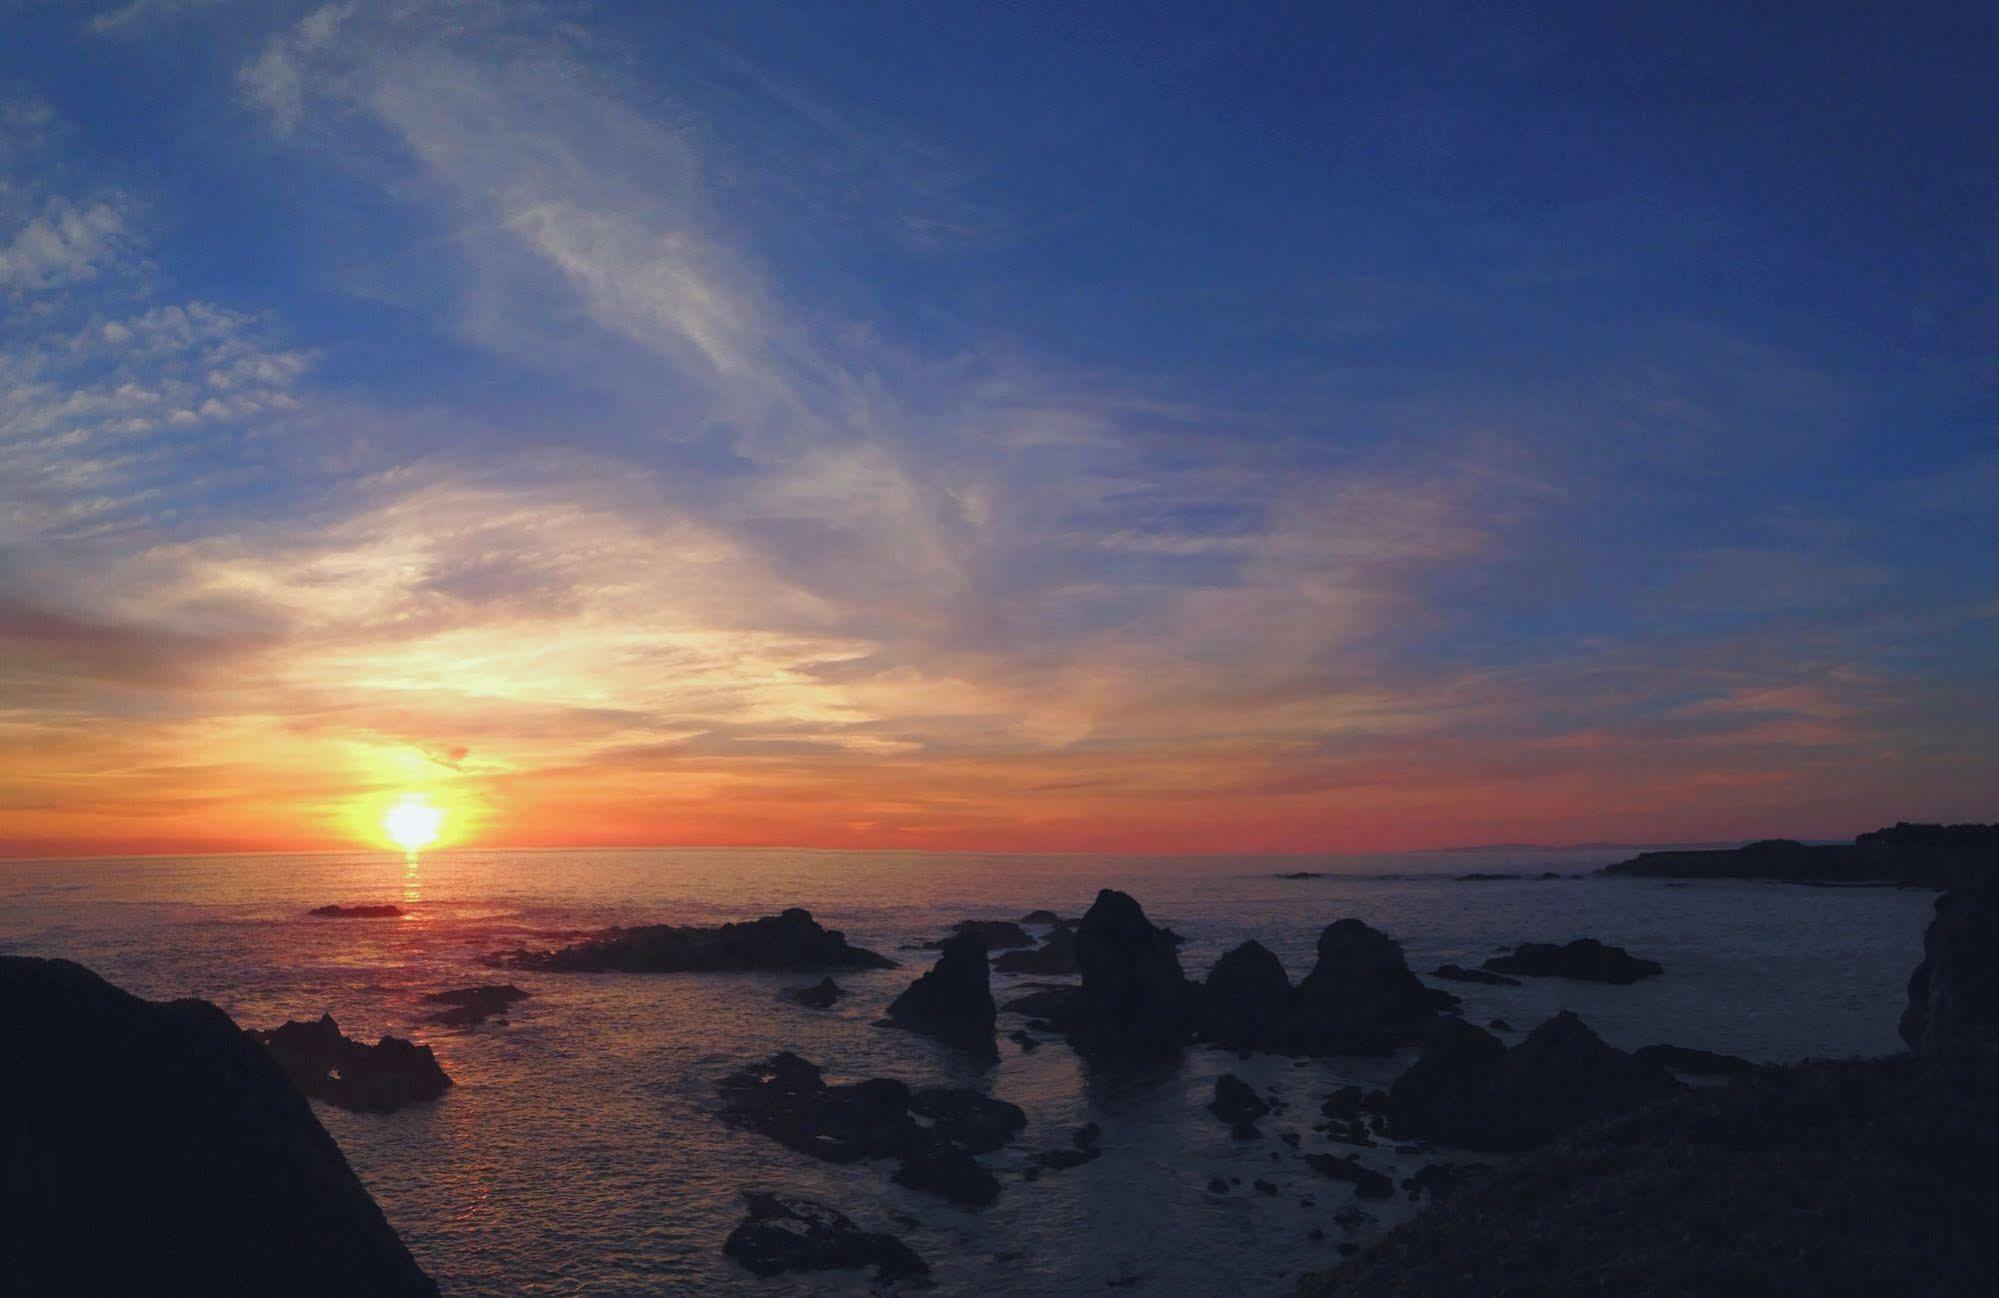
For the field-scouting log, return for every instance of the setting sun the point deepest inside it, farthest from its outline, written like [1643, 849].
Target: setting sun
[412, 824]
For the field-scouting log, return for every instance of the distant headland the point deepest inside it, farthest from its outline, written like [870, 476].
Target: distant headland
[1932, 856]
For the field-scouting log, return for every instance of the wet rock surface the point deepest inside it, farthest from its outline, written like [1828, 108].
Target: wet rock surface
[380, 1078]
[785, 1233]
[1585, 959]
[789, 941]
[1954, 993]
[953, 1001]
[155, 1148]
[469, 1005]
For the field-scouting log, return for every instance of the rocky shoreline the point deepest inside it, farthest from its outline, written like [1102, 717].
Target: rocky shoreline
[1928, 856]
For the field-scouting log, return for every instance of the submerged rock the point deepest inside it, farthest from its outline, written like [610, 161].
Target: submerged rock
[1360, 998]
[819, 996]
[1470, 1091]
[154, 1148]
[1056, 956]
[1134, 998]
[1245, 1000]
[784, 1233]
[792, 940]
[953, 1001]
[1460, 974]
[1585, 959]
[1954, 993]
[473, 1004]
[356, 912]
[376, 1079]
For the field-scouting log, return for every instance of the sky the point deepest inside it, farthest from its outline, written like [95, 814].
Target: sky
[1163, 428]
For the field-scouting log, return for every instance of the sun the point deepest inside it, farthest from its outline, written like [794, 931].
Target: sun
[412, 824]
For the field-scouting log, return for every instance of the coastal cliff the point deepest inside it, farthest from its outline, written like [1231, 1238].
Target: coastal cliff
[1935, 856]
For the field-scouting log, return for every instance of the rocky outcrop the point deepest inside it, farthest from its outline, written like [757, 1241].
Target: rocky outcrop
[1693, 1063]
[1470, 1091]
[356, 912]
[1585, 960]
[953, 1001]
[1040, 917]
[1134, 1001]
[819, 996]
[993, 934]
[1236, 1101]
[1246, 999]
[1055, 957]
[1459, 974]
[1360, 998]
[785, 1233]
[1367, 1183]
[469, 1005]
[1938, 856]
[154, 1148]
[1843, 1180]
[791, 941]
[952, 1174]
[327, 1066]
[1954, 993]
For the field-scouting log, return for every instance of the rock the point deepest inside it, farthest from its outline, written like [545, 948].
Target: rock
[1360, 998]
[967, 1119]
[1441, 1180]
[819, 996]
[1694, 1063]
[1500, 1025]
[1061, 1159]
[1216, 1185]
[1344, 1104]
[783, 1233]
[1134, 997]
[356, 912]
[1585, 959]
[1235, 1101]
[953, 1174]
[1367, 1183]
[1054, 957]
[1060, 1008]
[993, 934]
[1246, 1129]
[790, 941]
[155, 1148]
[1025, 1040]
[1478, 876]
[1040, 917]
[1263, 1187]
[1303, 874]
[380, 1078]
[1086, 1136]
[953, 1001]
[1245, 999]
[1470, 1091]
[1938, 856]
[1458, 973]
[473, 1004]
[1954, 993]
[786, 1098]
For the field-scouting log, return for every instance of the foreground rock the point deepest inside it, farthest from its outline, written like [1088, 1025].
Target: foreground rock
[1134, 1002]
[1246, 999]
[819, 996]
[154, 1148]
[356, 912]
[1937, 856]
[1235, 1101]
[953, 1001]
[1954, 993]
[1846, 1180]
[1360, 998]
[784, 1233]
[1470, 1091]
[471, 1005]
[380, 1078]
[790, 941]
[788, 1099]
[1585, 960]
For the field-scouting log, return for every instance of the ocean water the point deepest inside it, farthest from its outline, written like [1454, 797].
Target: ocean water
[579, 1152]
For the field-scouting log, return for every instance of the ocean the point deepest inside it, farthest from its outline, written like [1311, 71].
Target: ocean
[579, 1153]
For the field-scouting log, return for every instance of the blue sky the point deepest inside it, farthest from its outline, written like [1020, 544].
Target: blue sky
[1031, 425]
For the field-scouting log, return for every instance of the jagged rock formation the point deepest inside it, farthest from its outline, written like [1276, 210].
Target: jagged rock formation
[1360, 998]
[953, 1001]
[1954, 992]
[790, 941]
[1246, 999]
[471, 1005]
[1134, 1001]
[375, 1079]
[1055, 957]
[785, 1233]
[154, 1148]
[1585, 959]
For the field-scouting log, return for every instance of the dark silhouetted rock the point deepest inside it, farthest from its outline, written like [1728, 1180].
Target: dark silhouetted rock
[1134, 997]
[473, 1004]
[1062, 1007]
[953, 1001]
[1025, 1040]
[993, 934]
[1937, 856]
[1838, 1180]
[375, 1079]
[1441, 1180]
[1500, 1025]
[1460, 974]
[1245, 1000]
[1954, 993]
[1303, 874]
[1470, 1091]
[1478, 876]
[1055, 957]
[1057, 1160]
[791, 941]
[1585, 959]
[1367, 1183]
[783, 1233]
[788, 1099]
[356, 912]
[819, 996]
[1040, 917]
[967, 1119]
[953, 1174]
[154, 1148]
[1694, 1063]
[1360, 998]
[1236, 1101]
